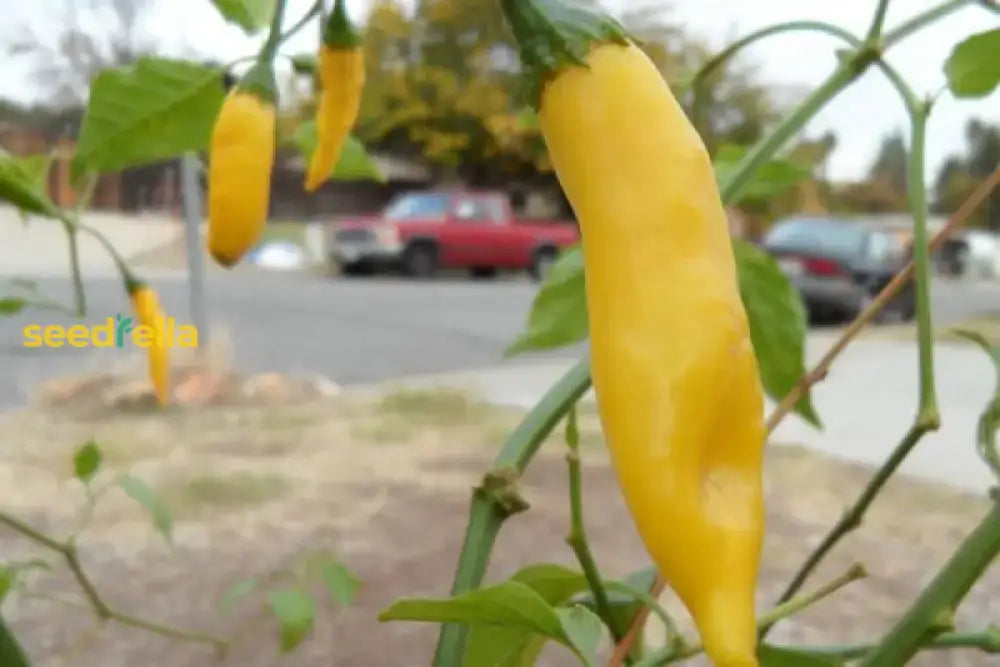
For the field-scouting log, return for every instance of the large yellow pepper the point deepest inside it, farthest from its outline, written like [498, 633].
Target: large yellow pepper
[240, 162]
[672, 363]
[151, 315]
[342, 78]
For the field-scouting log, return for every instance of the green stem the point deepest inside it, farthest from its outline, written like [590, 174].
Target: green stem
[922, 20]
[779, 612]
[577, 538]
[878, 22]
[932, 611]
[987, 641]
[852, 518]
[314, 11]
[79, 294]
[270, 48]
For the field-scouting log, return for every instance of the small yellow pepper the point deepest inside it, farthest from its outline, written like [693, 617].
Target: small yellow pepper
[672, 363]
[341, 78]
[147, 308]
[240, 162]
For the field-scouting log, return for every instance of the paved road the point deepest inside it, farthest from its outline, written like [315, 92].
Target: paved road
[354, 331]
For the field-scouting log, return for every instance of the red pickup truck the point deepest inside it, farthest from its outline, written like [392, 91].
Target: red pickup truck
[422, 232]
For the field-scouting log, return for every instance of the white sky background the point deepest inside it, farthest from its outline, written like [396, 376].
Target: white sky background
[860, 116]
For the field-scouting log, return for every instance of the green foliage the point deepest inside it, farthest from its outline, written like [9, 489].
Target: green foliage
[558, 314]
[973, 68]
[772, 179]
[143, 494]
[511, 605]
[772, 656]
[87, 461]
[354, 164]
[12, 305]
[296, 614]
[21, 184]
[340, 582]
[989, 420]
[251, 15]
[153, 110]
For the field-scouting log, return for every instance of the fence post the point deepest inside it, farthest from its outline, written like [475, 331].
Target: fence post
[192, 205]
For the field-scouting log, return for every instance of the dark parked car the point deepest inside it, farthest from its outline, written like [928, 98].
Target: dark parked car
[840, 265]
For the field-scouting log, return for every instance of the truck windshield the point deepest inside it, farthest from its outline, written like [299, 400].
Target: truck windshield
[418, 206]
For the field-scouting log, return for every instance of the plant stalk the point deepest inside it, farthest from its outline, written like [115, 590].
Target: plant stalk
[941, 597]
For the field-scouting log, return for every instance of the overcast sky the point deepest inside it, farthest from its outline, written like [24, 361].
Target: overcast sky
[860, 116]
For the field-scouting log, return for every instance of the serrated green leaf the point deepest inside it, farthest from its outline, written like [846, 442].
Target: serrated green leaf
[296, 614]
[583, 630]
[20, 184]
[489, 646]
[354, 164]
[778, 325]
[251, 15]
[152, 110]
[86, 461]
[973, 68]
[12, 305]
[141, 492]
[340, 581]
[558, 315]
[771, 179]
[236, 592]
[772, 656]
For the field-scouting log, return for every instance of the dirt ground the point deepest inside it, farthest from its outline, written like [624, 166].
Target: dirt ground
[384, 484]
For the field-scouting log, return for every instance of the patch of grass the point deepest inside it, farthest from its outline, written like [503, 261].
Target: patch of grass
[208, 492]
[385, 429]
[441, 407]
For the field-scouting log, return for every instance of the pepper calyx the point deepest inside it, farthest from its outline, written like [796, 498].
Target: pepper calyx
[339, 31]
[554, 34]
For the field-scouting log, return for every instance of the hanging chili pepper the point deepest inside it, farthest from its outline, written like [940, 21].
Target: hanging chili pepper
[151, 315]
[673, 366]
[341, 80]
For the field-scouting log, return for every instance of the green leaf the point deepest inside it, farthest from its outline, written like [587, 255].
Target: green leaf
[973, 68]
[140, 492]
[583, 630]
[7, 578]
[251, 15]
[86, 461]
[488, 646]
[989, 420]
[771, 179]
[558, 314]
[354, 164]
[778, 325]
[20, 184]
[296, 613]
[771, 656]
[152, 110]
[340, 581]
[12, 305]
[625, 607]
[11, 652]
[236, 592]
[304, 63]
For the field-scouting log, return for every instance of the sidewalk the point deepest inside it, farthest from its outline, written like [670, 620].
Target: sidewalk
[867, 403]
[40, 249]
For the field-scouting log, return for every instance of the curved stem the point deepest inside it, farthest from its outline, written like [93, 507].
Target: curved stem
[313, 12]
[878, 22]
[987, 641]
[922, 20]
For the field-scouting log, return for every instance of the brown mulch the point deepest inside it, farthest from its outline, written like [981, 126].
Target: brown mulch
[387, 491]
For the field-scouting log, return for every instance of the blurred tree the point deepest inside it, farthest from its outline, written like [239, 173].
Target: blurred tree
[443, 84]
[961, 174]
[890, 163]
[65, 53]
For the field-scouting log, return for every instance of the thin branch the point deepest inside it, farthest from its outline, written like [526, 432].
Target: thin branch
[577, 538]
[987, 641]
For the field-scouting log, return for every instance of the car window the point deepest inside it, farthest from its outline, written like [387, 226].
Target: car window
[883, 247]
[472, 210]
[418, 206]
[828, 237]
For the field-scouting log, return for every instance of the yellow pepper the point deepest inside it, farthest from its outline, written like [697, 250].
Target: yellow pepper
[240, 162]
[673, 367]
[342, 78]
[150, 314]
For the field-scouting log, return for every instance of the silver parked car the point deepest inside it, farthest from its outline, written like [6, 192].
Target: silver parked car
[840, 265]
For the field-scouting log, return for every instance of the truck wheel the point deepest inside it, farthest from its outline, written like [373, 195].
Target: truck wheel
[420, 261]
[483, 272]
[541, 263]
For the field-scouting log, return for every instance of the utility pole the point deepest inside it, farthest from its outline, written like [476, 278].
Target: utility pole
[191, 200]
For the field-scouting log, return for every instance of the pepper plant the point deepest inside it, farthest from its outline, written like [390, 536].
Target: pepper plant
[160, 108]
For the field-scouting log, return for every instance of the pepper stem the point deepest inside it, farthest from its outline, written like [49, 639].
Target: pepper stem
[260, 79]
[340, 32]
[554, 34]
